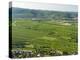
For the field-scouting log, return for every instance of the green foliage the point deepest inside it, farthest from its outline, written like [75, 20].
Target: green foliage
[45, 37]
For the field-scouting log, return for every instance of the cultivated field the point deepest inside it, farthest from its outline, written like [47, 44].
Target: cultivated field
[43, 38]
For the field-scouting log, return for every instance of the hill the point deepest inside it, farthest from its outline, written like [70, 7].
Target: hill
[32, 13]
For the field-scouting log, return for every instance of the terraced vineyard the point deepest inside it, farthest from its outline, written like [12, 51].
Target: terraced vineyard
[44, 37]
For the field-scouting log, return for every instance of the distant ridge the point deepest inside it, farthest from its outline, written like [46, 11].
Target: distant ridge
[34, 13]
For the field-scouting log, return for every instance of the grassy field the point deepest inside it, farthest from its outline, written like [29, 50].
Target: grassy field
[45, 37]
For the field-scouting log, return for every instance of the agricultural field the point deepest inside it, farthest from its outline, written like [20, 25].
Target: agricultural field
[39, 38]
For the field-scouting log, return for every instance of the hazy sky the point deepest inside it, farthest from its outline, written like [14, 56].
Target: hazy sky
[45, 6]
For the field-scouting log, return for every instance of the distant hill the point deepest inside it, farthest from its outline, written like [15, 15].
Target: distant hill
[32, 13]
